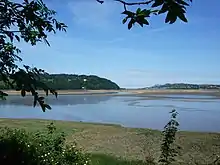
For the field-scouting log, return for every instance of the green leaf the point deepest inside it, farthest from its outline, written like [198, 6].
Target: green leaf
[130, 24]
[163, 9]
[41, 98]
[3, 94]
[47, 106]
[55, 93]
[124, 20]
[23, 92]
[145, 22]
[138, 11]
[182, 2]
[171, 17]
[129, 13]
[157, 3]
[140, 23]
[35, 102]
[18, 38]
[182, 17]
[146, 12]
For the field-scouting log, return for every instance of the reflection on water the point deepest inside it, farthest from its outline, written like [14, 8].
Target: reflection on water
[61, 100]
[129, 111]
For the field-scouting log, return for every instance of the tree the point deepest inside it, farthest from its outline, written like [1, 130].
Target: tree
[29, 22]
[174, 9]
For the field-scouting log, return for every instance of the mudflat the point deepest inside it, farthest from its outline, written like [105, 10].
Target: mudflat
[128, 91]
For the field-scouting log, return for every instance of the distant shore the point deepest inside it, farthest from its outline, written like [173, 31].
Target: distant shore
[128, 92]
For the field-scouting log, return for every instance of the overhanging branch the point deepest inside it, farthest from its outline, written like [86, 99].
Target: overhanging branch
[135, 3]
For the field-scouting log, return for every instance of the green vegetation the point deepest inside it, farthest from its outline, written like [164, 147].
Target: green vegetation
[74, 82]
[20, 147]
[112, 143]
[185, 86]
[174, 9]
[101, 159]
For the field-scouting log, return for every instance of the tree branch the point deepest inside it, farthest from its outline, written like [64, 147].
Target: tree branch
[11, 31]
[135, 3]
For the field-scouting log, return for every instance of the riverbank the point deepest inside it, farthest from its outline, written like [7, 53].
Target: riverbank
[128, 92]
[127, 143]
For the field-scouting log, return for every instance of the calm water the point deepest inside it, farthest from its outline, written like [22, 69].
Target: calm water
[196, 113]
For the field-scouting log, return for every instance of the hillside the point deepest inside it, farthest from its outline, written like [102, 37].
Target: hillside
[75, 82]
[185, 86]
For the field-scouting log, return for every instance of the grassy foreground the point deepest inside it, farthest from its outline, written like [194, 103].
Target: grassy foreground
[112, 144]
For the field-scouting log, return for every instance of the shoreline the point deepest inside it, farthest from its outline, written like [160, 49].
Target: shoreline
[127, 92]
[94, 124]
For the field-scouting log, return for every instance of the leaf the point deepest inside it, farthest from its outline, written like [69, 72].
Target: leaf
[157, 3]
[145, 22]
[18, 38]
[41, 98]
[46, 91]
[182, 2]
[35, 102]
[130, 24]
[3, 94]
[138, 11]
[43, 108]
[129, 13]
[182, 17]
[140, 23]
[146, 12]
[23, 92]
[171, 17]
[124, 20]
[55, 94]
[47, 106]
[163, 9]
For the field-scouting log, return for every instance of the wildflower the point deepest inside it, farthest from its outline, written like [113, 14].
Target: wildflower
[28, 145]
[86, 162]
[48, 153]
[45, 154]
[40, 144]
[52, 160]
[42, 156]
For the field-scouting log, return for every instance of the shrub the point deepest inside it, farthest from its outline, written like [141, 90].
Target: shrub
[42, 148]
[169, 149]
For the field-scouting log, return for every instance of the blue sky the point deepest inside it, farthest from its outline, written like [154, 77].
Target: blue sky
[98, 43]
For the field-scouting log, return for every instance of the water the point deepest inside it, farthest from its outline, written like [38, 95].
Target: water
[196, 113]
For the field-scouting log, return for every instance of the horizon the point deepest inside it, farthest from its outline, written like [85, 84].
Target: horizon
[97, 43]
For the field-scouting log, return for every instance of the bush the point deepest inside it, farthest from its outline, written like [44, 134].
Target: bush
[42, 148]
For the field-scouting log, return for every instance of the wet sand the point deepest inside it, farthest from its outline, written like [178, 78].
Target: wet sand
[129, 92]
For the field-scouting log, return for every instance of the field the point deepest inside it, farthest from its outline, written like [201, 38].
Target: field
[113, 144]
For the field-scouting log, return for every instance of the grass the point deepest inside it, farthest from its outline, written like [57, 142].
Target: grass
[101, 159]
[112, 144]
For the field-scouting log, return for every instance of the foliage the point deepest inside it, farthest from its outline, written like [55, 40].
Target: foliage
[69, 81]
[168, 148]
[30, 22]
[173, 8]
[101, 159]
[44, 148]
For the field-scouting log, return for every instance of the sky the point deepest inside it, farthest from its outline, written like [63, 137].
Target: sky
[97, 43]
